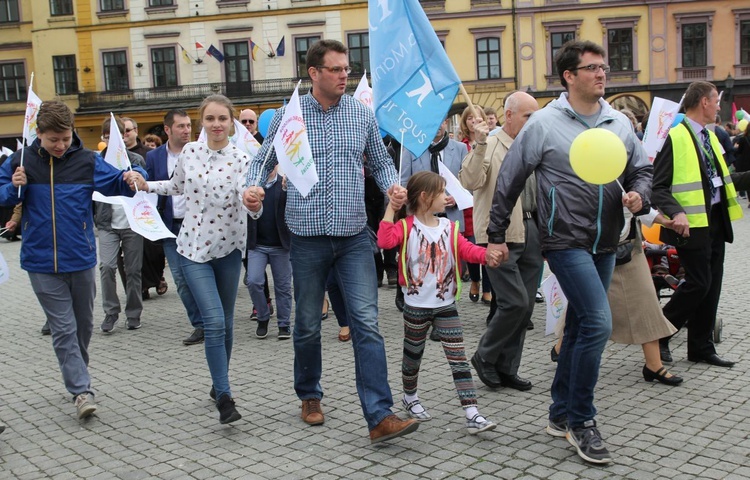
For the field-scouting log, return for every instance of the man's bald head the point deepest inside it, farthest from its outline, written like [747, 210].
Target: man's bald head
[518, 109]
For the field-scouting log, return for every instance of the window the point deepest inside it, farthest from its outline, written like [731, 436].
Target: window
[66, 80]
[745, 43]
[694, 45]
[237, 68]
[557, 40]
[164, 67]
[61, 7]
[359, 52]
[301, 45]
[115, 71]
[8, 11]
[160, 3]
[488, 58]
[112, 5]
[620, 49]
[12, 82]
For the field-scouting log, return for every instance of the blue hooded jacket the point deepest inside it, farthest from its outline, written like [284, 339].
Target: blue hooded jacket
[57, 223]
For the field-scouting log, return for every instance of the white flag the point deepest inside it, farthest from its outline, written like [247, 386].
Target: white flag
[4, 270]
[462, 196]
[364, 92]
[663, 113]
[202, 136]
[117, 152]
[556, 303]
[293, 147]
[244, 140]
[143, 217]
[29, 123]
[19, 145]
[7, 151]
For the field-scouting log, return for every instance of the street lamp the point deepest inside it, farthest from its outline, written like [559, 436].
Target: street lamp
[729, 85]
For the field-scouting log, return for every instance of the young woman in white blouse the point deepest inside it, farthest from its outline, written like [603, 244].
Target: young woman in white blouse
[212, 237]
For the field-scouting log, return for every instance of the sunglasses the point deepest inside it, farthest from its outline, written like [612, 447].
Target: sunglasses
[128, 130]
[246, 121]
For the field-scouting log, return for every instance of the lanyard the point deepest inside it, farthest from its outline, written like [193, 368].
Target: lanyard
[709, 156]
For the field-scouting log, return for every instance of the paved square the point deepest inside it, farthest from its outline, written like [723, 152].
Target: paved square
[155, 419]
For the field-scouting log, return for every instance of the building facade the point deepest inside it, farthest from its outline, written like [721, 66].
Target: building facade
[142, 57]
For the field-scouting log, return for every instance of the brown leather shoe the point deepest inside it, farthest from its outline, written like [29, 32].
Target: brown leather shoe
[311, 412]
[392, 427]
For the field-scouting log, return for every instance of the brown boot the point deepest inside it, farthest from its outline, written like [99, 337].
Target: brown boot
[311, 412]
[392, 427]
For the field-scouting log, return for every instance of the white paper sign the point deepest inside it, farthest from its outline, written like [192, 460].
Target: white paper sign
[4, 271]
[556, 303]
[463, 197]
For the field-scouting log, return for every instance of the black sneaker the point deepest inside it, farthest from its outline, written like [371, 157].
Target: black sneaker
[399, 299]
[45, 329]
[254, 315]
[262, 330]
[539, 297]
[134, 323]
[227, 411]
[195, 338]
[108, 324]
[557, 428]
[588, 442]
[285, 333]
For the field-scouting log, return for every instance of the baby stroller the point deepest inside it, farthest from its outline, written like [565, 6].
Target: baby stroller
[667, 274]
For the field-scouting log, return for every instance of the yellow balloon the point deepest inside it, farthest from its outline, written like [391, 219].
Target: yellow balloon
[102, 146]
[651, 234]
[742, 125]
[598, 156]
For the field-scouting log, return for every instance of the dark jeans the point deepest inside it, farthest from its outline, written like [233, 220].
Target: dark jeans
[584, 278]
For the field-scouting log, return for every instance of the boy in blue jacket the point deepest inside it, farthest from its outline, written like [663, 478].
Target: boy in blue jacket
[56, 181]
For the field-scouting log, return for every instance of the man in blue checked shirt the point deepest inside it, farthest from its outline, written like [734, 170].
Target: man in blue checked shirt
[328, 232]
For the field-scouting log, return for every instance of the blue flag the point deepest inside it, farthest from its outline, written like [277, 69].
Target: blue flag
[281, 49]
[216, 53]
[413, 81]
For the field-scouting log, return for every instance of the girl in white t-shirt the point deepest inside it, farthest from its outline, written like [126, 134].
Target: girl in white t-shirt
[431, 252]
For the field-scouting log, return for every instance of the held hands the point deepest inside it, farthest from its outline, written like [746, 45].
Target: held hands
[680, 224]
[498, 253]
[632, 201]
[397, 197]
[253, 197]
[134, 179]
[19, 177]
[481, 130]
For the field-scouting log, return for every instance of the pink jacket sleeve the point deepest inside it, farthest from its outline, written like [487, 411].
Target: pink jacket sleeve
[390, 234]
[470, 252]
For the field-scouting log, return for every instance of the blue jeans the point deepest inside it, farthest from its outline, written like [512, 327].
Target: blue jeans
[281, 269]
[68, 302]
[214, 287]
[353, 265]
[584, 279]
[173, 258]
[337, 300]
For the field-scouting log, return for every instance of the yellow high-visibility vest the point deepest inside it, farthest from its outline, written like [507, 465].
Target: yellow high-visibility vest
[687, 183]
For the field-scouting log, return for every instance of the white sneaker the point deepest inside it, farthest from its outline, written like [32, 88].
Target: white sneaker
[85, 405]
[478, 424]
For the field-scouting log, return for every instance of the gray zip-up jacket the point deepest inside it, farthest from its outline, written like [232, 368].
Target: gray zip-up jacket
[571, 213]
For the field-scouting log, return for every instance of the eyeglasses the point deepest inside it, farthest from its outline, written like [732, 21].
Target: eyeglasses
[246, 121]
[593, 68]
[105, 138]
[336, 70]
[128, 130]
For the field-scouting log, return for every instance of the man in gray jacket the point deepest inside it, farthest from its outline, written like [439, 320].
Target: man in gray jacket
[115, 234]
[579, 227]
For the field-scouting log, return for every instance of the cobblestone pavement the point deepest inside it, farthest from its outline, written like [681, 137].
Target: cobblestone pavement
[155, 419]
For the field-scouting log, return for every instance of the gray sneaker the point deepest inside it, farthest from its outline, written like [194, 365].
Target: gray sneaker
[479, 424]
[557, 428]
[134, 323]
[85, 405]
[422, 416]
[588, 442]
[109, 323]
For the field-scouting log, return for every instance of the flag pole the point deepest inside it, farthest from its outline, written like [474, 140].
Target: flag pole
[263, 165]
[23, 140]
[401, 155]
[466, 95]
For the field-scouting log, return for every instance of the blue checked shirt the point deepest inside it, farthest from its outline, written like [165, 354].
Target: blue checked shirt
[340, 139]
